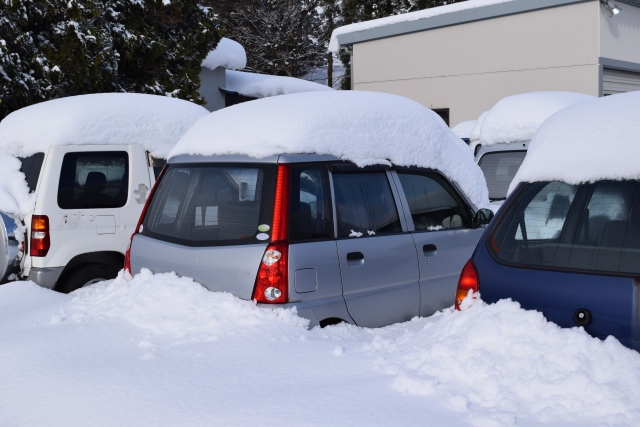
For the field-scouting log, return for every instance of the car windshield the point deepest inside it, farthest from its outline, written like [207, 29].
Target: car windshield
[499, 168]
[211, 204]
[590, 228]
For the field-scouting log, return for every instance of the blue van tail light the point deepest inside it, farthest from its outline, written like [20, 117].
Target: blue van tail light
[272, 283]
[127, 254]
[468, 281]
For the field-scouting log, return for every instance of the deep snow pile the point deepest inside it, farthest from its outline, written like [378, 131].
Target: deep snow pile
[364, 127]
[334, 46]
[263, 85]
[516, 118]
[156, 122]
[463, 130]
[15, 199]
[161, 350]
[228, 54]
[594, 140]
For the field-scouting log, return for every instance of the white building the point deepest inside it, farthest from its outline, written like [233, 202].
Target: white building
[462, 58]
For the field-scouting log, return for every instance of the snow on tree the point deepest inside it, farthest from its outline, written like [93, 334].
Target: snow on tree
[56, 48]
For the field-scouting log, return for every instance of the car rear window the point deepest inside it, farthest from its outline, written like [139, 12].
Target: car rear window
[499, 169]
[587, 228]
[30, 167]
[212, 204]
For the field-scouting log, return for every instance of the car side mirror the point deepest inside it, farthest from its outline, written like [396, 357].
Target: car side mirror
[482, 217]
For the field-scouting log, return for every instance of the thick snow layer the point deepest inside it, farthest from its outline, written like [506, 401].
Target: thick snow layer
[516, 118]
[228, 54]
[157, 122]
[364, 127]
[594, 140]
[463, 130]
[474, 135]
[15, 199]
[263, 85]
[334, 46]
[161, 350]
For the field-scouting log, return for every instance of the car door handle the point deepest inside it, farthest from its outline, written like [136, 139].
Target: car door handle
[355, 259]
[429, 250]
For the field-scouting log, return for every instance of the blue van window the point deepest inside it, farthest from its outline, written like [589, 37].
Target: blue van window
[587, 228]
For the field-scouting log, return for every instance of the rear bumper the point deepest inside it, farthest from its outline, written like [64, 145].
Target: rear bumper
[45, 277]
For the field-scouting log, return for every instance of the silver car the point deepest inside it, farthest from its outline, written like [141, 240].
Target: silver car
[370, 246]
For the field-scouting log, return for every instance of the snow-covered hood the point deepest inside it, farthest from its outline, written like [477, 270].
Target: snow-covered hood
[594, 140]
[363, 127]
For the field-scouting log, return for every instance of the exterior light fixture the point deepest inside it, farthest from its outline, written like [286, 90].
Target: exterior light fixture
[611, 7]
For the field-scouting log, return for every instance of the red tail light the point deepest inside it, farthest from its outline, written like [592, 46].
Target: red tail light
[272, 283]
[40, 240]
[468, 280]
[127, 254]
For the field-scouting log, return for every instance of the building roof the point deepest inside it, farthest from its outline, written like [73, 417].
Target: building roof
[438, 17]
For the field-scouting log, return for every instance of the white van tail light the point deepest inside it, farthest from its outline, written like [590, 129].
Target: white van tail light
[40, 241]
[138, 229]
[272, 283]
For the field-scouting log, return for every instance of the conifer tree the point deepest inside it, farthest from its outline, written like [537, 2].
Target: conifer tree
[56, 48]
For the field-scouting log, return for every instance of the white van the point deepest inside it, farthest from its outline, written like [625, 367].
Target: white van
[95, 159]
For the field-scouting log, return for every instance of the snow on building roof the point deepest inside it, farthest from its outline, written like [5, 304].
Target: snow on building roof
[228, 54]
[156, 122]
[435, 17]
[516, 118]
[263, 85]
[593, 140]
[463, 130]
[364, 127]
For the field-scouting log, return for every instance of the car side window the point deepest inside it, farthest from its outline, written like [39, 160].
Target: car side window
[310, 205]
[94, 180]
[365, 205]
[433, 204]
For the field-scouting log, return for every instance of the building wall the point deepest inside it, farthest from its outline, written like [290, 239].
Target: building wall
[620, 35]
[469, 67]
[210, 83]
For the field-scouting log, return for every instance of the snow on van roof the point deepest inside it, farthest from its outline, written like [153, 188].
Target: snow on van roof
[334, 45]
[516, 118]
[228, 54]
[463, 130]
[474, 135]
[363, 127]
[591, 141]
[156, 122]
[263, 85]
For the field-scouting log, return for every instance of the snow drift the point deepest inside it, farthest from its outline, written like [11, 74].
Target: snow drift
[593, 140]
[364, 127]
[161, 350]
[516, 118]
[228, 54]
[156, 122]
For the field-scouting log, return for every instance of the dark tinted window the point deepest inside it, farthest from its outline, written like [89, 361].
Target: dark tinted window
[157, 165]
[212, 204]
[310, 216]
[590, 227]
[432, 202]
[94, 180]
[31, 167]
[365, 205]
[499, 170]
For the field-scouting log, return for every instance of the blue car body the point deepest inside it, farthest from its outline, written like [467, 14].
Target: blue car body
[612, 299]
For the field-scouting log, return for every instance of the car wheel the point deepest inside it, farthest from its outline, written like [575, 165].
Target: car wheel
[86, 275]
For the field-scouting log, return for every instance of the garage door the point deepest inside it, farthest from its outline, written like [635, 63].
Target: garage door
[618, 81]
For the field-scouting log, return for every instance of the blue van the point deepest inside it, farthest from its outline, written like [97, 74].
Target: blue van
[571, 252]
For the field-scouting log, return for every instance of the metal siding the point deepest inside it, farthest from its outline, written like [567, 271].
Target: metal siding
[619, 81]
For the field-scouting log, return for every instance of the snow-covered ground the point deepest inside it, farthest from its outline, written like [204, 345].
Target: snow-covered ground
[162, 351]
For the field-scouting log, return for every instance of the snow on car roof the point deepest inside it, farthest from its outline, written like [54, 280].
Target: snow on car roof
[364, 127]
[474, 135]
[228, 54]
[263, 85]
[516, 118]
[591, 141]
[463, 130]
[156, 122]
